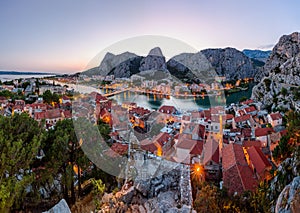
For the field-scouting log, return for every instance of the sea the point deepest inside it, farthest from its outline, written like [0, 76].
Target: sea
[8, 77]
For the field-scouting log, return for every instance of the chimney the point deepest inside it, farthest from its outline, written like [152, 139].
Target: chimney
[252, 132]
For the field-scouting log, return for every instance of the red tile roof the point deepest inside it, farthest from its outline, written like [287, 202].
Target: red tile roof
[198, 148]
[241, 112]
[283, 132]
[140, 111]
[275, 116]
[162, 138]
[237, 175]
[249, 143]
[197, 114]
[242, 118]
[246, 132]
[52, 114]
[211, 151]
[19, 102]
[67, 114]
[199, 130]
[263, 131]
[38, 106]
[250, 109]
[100, 97]
[39, 115]
[148, 145]
[229, 116]
[258, 159]
[104, 112]
[247, 102]
[233, 154]
[2, 98]
[184, 143]
[167, 109]
[65, 98]
[207, 114]
[248, 179]
[119, 148]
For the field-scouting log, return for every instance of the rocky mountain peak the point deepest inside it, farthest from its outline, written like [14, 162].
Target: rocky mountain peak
[156, 51]
[108, 55]
[281, 73]
[195, 67]
[154, 61]
[287, 47]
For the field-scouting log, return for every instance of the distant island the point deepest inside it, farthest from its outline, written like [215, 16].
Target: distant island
[24, 73]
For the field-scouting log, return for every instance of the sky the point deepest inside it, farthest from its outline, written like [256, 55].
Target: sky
[63, 36]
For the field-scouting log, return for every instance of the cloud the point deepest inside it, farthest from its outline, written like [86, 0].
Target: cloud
[266, 47]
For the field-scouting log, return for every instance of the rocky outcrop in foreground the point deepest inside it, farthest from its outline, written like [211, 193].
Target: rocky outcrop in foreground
[289, 199]
[61, 207]
[170, 192]
[285, 187]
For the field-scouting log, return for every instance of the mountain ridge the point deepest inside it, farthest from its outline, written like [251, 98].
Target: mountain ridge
[228, 62]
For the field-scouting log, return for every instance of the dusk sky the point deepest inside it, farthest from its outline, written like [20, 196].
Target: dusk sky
[64, 35]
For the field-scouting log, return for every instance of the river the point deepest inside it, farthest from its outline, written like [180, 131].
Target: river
[151, 101]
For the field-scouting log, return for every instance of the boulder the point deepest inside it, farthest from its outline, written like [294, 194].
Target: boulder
[61, 207]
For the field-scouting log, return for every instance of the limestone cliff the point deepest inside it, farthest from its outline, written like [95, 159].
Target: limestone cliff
[231, 63]
[153, 61]
[281, 74]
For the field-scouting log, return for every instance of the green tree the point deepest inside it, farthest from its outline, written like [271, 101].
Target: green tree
[64, 156]
[6, 94]
[259, 200]
[25, 84]
[20, 138]
[47, 96]
[206, 199]
[50, 97]
[104, 129]
[284, 91]
[98, 190]
[244, 98]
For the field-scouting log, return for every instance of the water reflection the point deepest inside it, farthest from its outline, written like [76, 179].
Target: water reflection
[154, 101]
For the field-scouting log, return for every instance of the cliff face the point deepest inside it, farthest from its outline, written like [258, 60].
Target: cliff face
[154, 61]
[282, 70]
[285, 187]
[231, 63]
[191, 66]
[127, 68]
